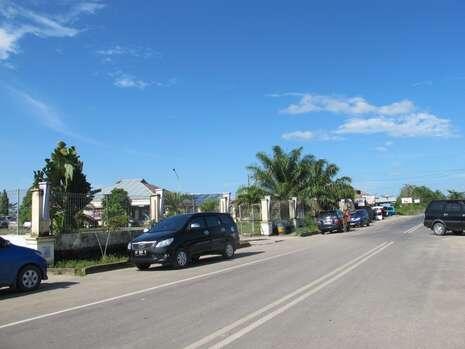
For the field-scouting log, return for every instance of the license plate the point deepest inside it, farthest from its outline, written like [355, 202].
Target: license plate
[140, 252]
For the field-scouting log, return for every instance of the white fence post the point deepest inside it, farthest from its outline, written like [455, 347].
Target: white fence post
[40, 238]
[293, 211]
[266, 224]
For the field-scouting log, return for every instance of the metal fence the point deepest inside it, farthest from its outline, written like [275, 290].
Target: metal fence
[248, 218]
[14, 215]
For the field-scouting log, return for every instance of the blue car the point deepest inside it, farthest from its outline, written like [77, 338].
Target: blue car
[20, 267]
[390, 210]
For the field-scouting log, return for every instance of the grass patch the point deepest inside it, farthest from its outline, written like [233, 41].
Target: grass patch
[410, 209]
[83, 263]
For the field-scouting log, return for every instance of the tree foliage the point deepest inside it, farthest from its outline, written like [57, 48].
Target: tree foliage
[70, 192]
[286, 174]
[251, 194]
[4, 204]
[175, 202]
[425, 194]
[209, 205]
[115, 208]
[455, 195]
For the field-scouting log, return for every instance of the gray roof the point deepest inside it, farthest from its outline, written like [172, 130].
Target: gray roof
[136, 188]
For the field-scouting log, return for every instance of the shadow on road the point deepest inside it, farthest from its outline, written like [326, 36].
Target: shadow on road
[6, 293]
[205, 260]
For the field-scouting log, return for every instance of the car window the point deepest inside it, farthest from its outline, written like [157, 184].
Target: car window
[226, 220]
[213, 221]
[198, 220]
[436, 207]
[453, 207]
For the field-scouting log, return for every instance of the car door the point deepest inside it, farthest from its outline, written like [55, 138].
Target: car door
[198, 236]
[453, 216]
[7, 263]
[217, 232]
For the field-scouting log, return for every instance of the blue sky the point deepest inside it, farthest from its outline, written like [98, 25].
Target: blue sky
[141, 87]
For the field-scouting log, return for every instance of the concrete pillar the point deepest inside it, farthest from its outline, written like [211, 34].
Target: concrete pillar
[293, 211]
[40, 238]
[266, 224]
[157, 206]
[225, 202]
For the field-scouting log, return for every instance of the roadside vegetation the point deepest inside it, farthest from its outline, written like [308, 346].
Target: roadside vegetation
[79, 264]
[283, 175]
[425, 195]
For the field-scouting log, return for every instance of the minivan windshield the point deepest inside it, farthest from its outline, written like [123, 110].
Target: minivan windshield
[172, 223]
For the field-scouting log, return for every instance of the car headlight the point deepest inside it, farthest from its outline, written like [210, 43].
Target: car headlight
[130, 246]
[165, 242]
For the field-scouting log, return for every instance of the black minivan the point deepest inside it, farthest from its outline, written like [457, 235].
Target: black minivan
[182, 239]
[444, 215]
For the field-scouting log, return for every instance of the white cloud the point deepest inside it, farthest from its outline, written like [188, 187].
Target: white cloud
[298, 136]
[129, 81]
[346, 105]
[117, 50]
[48, 116]
[19, 21]
[123, 80]
[412, 125]
[422, 83]
[310, 135]
[398, 119]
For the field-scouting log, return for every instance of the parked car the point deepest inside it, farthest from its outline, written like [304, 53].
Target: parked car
[390, 211]
[359, 218]
[22, 268]
[379, 213]
[445, 215]
[370, 211]
[182, 239]
[3, 222]
[332, 220]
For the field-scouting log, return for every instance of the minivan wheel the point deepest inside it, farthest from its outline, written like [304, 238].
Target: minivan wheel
[181, 259]
[29, 278]
[143, 266]
[439, 229]
[228, 252]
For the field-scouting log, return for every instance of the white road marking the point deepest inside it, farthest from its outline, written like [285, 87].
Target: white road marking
[202, 342]
[145, 290]
[261, 321]
[411, 230]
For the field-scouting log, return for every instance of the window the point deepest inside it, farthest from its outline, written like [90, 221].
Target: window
[436, 207]
[453, 207]
[198, 221]
[213, 221]
[227, 219]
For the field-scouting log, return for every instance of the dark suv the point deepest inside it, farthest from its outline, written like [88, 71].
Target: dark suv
[444, 215]
[333, 220]
[181, 239]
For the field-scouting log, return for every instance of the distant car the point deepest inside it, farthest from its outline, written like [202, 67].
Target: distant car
[182, 239]
[390, 211]
[22, 268]
[3, 222]
[359, 218]
[445, 215]
[332, 220]
[369, 210]
[379, 213]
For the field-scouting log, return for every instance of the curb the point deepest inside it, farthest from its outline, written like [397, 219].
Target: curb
[105, 267]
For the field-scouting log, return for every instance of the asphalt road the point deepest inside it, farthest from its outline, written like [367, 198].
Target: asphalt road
[392, 285]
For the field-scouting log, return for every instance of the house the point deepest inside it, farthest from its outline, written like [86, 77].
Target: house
[139, 192]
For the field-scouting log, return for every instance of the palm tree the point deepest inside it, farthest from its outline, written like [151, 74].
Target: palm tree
[175, 202]
[283, 175]
[249, 195]
[455, 195]
[313, 180]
